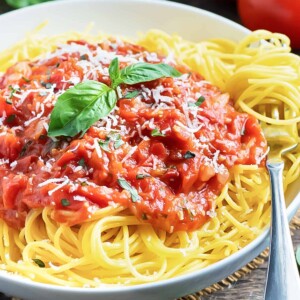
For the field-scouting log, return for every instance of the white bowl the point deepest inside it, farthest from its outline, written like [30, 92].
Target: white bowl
[127, 18]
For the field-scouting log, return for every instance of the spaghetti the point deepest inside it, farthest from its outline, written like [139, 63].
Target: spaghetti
[114, 246]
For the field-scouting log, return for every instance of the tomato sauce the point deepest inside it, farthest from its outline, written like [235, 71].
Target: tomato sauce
[173, 153]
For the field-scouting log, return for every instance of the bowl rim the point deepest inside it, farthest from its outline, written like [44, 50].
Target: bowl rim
[253, 248]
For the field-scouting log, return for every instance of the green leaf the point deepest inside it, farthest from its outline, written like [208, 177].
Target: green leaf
[114, 72]
[118, 142]
[81, 162]
[80, 107]
[131, 94]
[142, 176]
[126, 186]
[200, 100]
[156, 132]
[23, 3]
[65, 202]
[298, 256]
[144, 72]
[39, 262]
[105, 144]
[189, 154]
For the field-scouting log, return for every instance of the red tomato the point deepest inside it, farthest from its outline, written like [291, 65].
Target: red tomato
[274, 15]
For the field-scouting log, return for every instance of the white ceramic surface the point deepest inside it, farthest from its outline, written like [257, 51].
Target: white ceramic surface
[127, 18]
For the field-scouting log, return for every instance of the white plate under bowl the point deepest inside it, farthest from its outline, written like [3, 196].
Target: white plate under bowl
[127, 18]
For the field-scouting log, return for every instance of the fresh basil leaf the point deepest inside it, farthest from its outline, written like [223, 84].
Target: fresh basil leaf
[39, 262]
[200, 100]
[80, 107]
[105, 144]
[126, 186]
[11, 118]
[118, 141]
[114, 72]
[81, 162]
[23, 3]
[131, 94]
[143, 72]
[65, 202]
[142, 176]
[189, 154]
[156, 132]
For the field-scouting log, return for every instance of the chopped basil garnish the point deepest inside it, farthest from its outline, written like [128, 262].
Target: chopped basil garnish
[10, 118]
[156, 132]
[81, 162]
[25, 148]
[142, 176]
[46, 85]
[83, 57]
[118, 141]
[127, 186]
[39, 262]
[131, 94]
[200, 100]
[26, 79]
[115, 138]
[189, 154]
[105, 144]
[78, 108]
[8, 101]
[13, 91]
[65, 202]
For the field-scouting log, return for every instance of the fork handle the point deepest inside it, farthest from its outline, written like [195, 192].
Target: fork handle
[282, 277]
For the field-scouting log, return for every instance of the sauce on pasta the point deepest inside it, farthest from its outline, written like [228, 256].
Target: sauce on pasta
[171, 141]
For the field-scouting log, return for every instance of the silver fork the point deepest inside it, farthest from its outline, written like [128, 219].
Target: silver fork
[283, 281]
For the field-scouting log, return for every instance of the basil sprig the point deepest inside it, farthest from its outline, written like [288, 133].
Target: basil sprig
[78, 108]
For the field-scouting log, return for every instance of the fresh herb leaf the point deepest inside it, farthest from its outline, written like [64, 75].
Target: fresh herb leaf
[81, 162]
[13, 91]
[126, 186]
[142, 176]
[114, 73]
[105, 144]
[11, 118]
[25, 148]
[118, 141]
[131, 94]
[39, 262]
[189, 154]
[80, 107]
[65, 202]
[23, 3]
[25, 79]
[83, 57]
[144, 72]
[46, 85]
[200, 100]
[8, 101]
[156, 132]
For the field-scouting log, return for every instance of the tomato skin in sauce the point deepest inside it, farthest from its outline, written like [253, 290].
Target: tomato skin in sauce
[174, 152]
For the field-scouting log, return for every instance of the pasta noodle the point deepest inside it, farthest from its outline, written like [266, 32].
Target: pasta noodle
[114, 247]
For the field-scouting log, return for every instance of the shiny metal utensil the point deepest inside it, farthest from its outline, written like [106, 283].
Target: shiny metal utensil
[283, 281]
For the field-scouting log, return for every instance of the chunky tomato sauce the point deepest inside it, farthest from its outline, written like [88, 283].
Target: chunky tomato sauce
[174, 153]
